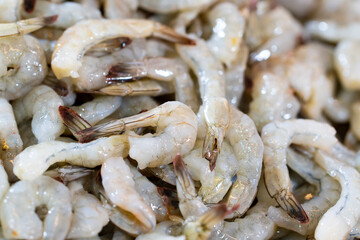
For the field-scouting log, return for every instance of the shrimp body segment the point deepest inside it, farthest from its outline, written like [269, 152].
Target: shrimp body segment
[72, 45]
[18, 216]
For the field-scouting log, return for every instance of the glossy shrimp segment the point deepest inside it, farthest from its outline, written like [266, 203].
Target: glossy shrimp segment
[20, 72]
[119, 186]
[215, 107]
[277, 136]
[11, 141]
[18, 216]
[228, 29]
[329, 192]
[42, 104]
[73, 44]
[345, 214]
[164, 6]
[34, 160]
[176, 127]
[69, 12]
[89, 216]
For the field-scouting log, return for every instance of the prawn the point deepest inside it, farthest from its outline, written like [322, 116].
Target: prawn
[215, 107]
[118, 182]
[18, 209]
[72, 45]
[42, 104]
[176, 127]
[277, 136]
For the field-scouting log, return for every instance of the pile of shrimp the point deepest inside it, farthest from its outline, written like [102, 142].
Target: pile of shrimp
[180, 120]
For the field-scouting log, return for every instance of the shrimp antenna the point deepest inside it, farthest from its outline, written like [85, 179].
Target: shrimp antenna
[73, 120]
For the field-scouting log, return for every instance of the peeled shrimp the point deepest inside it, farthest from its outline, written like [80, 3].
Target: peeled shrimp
[69, 12]
[42, 104]
[277, 136]
[73, 44]
[115, 9]
[89, 216]
[215, 107]
[176, 127]
[36, 159]
[164, 6]
[18, 216]
[119, 186]
[135, 105]
[20, 72]
[345, 214]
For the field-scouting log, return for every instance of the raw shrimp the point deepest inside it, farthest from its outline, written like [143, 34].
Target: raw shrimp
[68, 173]
[115, 9]
[72, 45]
[10, 139]
[98, 109]
[20, 72]
[40, 157]
[18, 210]
[176, 127]
[300, 8]
[228, 26]
[317, 205]
[135, 105]
[277, 136]
[346, 64]
[42, 104]
[338, 108]
[159, 68]
[345, 214]
[4, 182]
[118, 182]
[272, 99]
[10, 10]
[89, 216]
[215, 107]
[164, 6]
[162, 231]
[69, 12]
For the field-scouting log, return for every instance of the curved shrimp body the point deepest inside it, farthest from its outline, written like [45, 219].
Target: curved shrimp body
[10, 138]
[18, 216]
[176, 127]
[316, 206]
[345, 214]
[34, 160]
[20, 72]
[215, 107]
[119, 186]
[228, 29]
[89, 216]
[72, 45]
[164, 6]
[69, 12]
[277, 136]
[42, 104]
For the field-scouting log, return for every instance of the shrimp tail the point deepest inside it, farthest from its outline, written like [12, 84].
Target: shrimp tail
[102, 130]
[72, 119]
[288, 202]
[29, 5]
[216, 214]
[183, 177]
[169, 34]
[126, 71]
[211, 149]
[111, 45]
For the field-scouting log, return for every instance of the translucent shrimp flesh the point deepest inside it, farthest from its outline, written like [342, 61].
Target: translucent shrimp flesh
[18, 210]
[277, 136]
[119, 186]
[68, 53]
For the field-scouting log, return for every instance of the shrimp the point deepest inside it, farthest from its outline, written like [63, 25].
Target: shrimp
[120, 9]
[346, 62]
[355, 120]
[20, 72]
[300, 8]
[10, 10]
[89, 216]
[134, 105]
[40, 157]
[69, 12]
[277, 136]
[176, 127]
[72, 45]
[18, 210]
[118, 182]
[345, 214]
[68, 173]
[317, 205]
[172, 6]
[215, 107]
[162, 69]
[42, 104]
[162, 232]
[228, 29]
